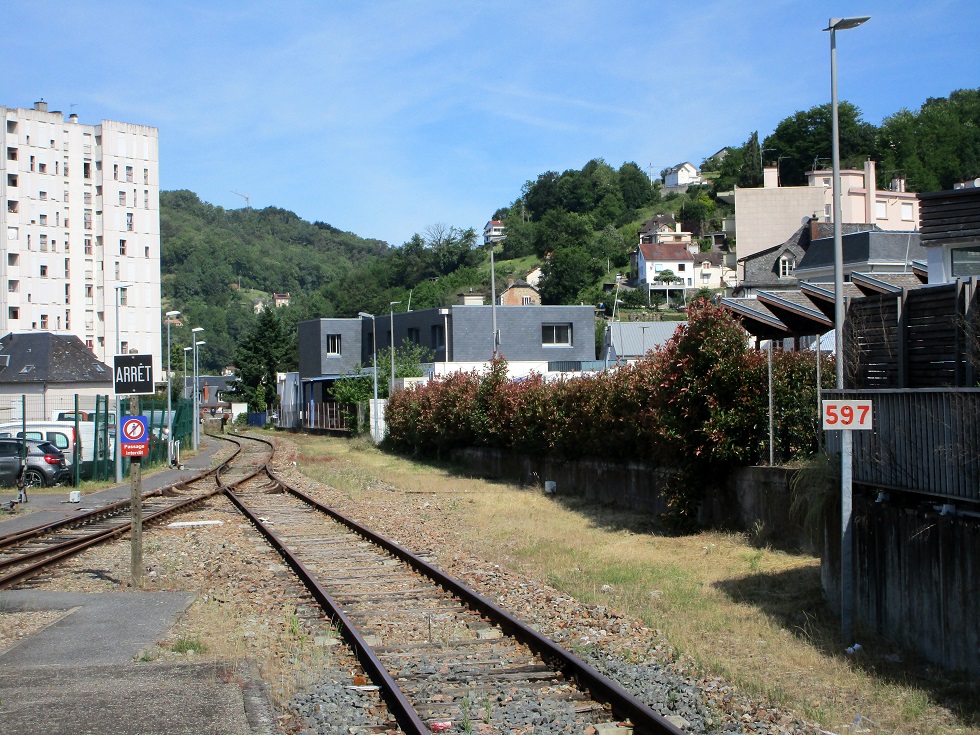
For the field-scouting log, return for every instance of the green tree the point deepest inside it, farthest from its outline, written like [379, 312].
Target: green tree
[801, 142]
[259, 357]
[566, 273]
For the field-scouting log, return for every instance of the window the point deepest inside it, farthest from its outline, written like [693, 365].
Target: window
[88, 246]
[123, 347]
[414, 335]
[438, 336]
[32, 163]
[146, 176]
[44, 271]
[787, 264]
[526, 301]
[681, 267]
[43, 196]
[559, 335]
[13, 312]
[881, 209]
[705, 276]
[13, 286]
[908, 211]
[146, 199]
[87, 169]
[88, 290]
[44, 321]
[13, 259]
[44, 243]
[12, 206]
[332, 344]
[12, 180]
[67, 296]
[146, 251]
[129, 221]
[42, 168]
[129, 173]
[87, 197]
[43, 219]
[657, 267]
[67, 268]
[115, 171]
[122, 247]
[87, 218]
[122, 199]
[965, 261]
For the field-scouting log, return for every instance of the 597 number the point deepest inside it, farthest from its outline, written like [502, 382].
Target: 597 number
[847, 414]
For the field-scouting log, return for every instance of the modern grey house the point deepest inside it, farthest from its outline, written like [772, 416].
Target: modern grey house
[456, 337]
[874, 251]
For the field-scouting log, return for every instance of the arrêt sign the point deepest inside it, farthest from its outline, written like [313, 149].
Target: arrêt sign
[133, 375]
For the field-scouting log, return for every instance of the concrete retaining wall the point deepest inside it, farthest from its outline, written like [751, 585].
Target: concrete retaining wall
[917, 573]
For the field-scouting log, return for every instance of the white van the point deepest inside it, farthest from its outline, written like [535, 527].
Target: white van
[62, 435]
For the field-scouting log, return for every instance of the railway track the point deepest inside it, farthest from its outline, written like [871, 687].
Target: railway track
[437, 651]
[25, 554]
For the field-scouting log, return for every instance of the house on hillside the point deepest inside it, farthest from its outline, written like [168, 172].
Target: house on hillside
[52, 368]
[652, 259]
[519, 293]
[493, 231]
[678, 178]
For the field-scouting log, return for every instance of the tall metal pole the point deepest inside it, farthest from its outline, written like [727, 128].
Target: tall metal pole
[195, 431]
[374, 358]
[838, 238]
[170, 406]
[119, 288]
[493, 303]
[847, 523]
[391, 323]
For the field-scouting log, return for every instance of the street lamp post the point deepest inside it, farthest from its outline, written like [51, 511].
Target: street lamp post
[170, 410]
[186, 350]
[846, 540]
[120, 288]
[374, 356]
[196, 434]
[391, 322]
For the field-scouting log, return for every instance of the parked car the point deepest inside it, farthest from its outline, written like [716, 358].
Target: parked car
[45, 463]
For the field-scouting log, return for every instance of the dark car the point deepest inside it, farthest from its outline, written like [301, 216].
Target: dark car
[46, 463]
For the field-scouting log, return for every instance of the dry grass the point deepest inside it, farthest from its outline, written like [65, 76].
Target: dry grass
[754, 616]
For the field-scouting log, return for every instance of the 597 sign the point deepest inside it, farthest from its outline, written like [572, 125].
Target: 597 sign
[847, 415]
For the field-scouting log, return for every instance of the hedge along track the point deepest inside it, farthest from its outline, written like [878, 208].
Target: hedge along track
[438, 650]
[24, 554]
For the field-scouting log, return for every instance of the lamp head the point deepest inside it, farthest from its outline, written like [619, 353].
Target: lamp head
[365, 315]
[172, 313]
[195, 330]
[846, 24]
[201, 342]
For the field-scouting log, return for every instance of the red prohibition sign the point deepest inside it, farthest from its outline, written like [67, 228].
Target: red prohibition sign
[133, 429]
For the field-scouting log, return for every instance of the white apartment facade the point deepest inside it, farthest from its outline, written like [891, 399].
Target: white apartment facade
[80, 230]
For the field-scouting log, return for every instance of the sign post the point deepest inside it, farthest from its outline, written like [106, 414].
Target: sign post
[847, 416]
[133, 376]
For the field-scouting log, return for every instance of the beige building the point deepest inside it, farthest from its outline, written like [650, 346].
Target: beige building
[769, 215]
[80, 230]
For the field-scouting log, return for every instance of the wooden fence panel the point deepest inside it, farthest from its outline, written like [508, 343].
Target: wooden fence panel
[924, 441]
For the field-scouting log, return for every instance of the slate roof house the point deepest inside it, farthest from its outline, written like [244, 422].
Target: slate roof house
[774, 269]
[51, 367]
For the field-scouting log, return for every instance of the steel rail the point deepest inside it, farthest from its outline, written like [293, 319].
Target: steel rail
[624, 705]
[105, 511]
[71, 547]
[399, 706]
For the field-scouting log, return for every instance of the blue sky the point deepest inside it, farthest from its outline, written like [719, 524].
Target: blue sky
[384, 117]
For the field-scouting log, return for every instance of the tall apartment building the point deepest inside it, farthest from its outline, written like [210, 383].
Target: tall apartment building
[80, 230]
